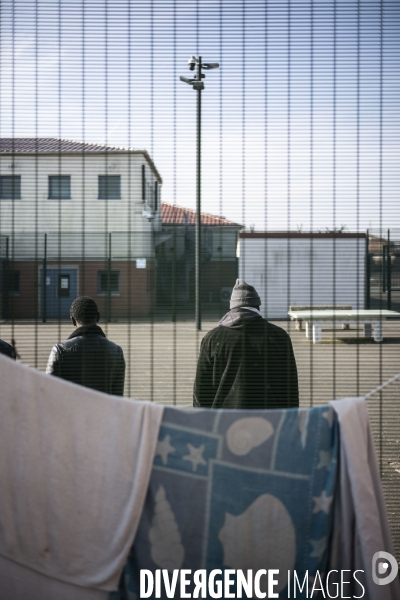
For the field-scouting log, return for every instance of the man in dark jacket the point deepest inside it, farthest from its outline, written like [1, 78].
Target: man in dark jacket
[246, 362]
[87, 357]
[7, 349]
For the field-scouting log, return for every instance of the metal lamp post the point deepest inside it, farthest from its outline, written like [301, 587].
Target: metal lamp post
[194, 62]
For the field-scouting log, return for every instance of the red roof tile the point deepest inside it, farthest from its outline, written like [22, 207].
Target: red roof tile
[176, 215]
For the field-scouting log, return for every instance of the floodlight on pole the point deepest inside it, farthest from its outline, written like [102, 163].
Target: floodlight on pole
[196, 82]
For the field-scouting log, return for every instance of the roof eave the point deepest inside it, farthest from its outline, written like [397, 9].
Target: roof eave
[88, 153]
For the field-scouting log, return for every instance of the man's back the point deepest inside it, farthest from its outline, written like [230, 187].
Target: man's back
[88, 358]
[7, 349]
[246, 362]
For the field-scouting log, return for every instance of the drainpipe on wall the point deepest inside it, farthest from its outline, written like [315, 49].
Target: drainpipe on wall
[6, 284]
[389, 274]
[44, 281]
[367, 272]
[109, 280]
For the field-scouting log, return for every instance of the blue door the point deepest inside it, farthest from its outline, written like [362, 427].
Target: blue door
[61, 289]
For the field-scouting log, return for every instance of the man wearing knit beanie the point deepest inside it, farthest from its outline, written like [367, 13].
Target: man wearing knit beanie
[246, 362]
[244, 295]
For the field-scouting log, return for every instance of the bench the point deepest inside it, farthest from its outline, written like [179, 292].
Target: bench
[299, 321]
[316, 319]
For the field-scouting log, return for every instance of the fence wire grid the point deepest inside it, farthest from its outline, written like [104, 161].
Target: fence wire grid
[121, 182]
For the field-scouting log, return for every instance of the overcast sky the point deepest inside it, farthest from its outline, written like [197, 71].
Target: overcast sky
[301, 122]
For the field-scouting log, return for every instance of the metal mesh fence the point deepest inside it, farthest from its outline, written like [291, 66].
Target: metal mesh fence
[289, 180]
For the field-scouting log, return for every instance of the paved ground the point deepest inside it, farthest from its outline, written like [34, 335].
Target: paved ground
[161, 361]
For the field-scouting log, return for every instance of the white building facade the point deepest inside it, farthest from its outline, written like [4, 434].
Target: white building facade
[71, 203]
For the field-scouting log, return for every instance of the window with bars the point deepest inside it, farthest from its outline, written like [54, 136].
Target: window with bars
[108, 282]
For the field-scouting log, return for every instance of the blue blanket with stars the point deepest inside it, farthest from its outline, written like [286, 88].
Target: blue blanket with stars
[238, 490]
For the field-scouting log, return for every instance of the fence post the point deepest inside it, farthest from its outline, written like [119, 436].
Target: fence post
[44, 281]
[174, 276]
[384, 269]
[109, 280]
[6, 284]
[389, 274]
[367, 272]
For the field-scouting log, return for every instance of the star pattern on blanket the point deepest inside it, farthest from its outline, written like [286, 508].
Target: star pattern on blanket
[322, 503]
[164, 448]
[325, 459]
[195, 456]
[329, 416]
[209, 456]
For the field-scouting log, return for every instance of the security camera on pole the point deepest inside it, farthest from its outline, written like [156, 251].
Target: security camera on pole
[198, 85]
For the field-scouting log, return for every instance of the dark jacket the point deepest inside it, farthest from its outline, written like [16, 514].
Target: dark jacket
[87, 357]
[7, 349]
[246, 362]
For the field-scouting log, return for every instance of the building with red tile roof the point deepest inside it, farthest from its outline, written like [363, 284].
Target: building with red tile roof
[177, 215]
[176, 257]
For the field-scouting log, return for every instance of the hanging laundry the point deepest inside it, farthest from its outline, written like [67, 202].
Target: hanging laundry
[75, 466]
[361, 528]
[238, 490]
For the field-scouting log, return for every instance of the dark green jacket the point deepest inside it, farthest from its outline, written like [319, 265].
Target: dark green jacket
[246, 362]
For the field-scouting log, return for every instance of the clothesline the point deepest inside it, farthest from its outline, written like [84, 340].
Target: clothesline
[383, 385]
[374, 391]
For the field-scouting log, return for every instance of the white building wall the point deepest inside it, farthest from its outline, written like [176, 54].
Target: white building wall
[303, 271]
[84, 212]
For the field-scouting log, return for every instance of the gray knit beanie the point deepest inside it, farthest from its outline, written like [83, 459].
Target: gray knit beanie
[244, 294]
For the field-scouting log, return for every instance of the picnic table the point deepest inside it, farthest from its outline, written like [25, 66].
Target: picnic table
[315, 320]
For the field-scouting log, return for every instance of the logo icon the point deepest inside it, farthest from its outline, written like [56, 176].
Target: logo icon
[380, 568]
